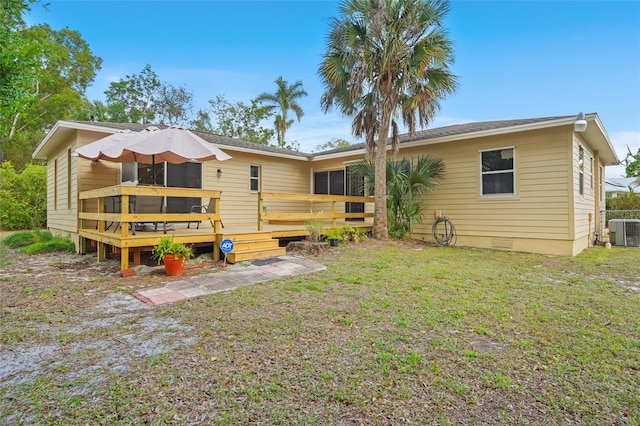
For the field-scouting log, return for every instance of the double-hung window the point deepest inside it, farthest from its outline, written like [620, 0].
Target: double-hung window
[581, 170]
[254, 178]
[498, 171]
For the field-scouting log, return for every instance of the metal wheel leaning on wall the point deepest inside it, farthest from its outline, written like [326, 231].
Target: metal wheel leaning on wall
[443, 232]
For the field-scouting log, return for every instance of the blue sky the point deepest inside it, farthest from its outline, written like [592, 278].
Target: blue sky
[514, 59]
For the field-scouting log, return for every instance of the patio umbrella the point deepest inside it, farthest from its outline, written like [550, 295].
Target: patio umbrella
[174, 145]
[96, 150]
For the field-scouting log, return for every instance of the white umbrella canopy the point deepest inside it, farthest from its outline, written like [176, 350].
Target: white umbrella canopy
[96, 150]
[174, 145]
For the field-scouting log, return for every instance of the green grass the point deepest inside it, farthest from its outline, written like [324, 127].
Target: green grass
[35, 242]
[386, 335]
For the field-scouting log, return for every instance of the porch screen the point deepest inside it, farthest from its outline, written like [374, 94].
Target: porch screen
[186, 175]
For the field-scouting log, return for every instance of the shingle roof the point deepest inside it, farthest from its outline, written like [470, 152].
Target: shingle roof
[456, 129]
[424, 135]
[209, 137]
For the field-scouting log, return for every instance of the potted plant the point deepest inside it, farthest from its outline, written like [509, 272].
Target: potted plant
[334, 236]
[173, 254]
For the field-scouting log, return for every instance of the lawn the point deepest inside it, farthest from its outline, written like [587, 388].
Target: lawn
[389, 334]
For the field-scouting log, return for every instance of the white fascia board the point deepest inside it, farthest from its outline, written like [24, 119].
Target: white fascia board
[462, 136]
[258, 152]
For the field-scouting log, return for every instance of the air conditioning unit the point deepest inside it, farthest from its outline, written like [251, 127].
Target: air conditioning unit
[624, 232]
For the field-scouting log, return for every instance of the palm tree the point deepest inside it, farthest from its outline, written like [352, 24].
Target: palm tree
[384, 59]
[285, 98]
[407, 184]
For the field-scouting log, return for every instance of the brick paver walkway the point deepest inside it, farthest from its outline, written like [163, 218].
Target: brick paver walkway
[230, 278]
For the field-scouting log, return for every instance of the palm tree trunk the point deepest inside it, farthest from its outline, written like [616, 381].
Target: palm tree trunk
[380, 230]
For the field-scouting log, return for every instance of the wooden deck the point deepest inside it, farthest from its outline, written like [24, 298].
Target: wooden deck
[120, 231]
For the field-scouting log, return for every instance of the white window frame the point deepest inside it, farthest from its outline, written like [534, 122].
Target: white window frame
[581, 170]
[255, 178]
[513, 171]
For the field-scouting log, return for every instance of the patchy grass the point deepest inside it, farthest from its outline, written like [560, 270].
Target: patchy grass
[388, 334]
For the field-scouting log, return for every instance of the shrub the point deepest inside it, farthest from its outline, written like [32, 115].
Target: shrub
[34, 242]
[23, 239]
[23, 197]
[55, 244]
[314, 227]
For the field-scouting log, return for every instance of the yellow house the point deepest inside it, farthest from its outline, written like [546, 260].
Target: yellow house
[531, 185]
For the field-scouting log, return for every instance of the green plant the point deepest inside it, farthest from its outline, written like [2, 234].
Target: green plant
[408, 182]
[334, 234]
[166, 245]
[23, 197]
[349, 233]
[314, 227]
[25, 238]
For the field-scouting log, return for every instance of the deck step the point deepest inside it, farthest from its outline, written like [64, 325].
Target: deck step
[242, 255]
[253, 245]
[248, 236]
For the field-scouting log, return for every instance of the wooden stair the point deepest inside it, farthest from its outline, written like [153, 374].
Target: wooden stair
[252, 245]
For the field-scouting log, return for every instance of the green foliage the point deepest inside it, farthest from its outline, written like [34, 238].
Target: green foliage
[351, 234]
[166, 245]
[173, 105]
[23, 239]
[236, 120]
[35, 242]
[408, 182]
[333, 234]
[632, 163]
[334, 143]
[387, 59]
[55, 244]
[626, 206]
[131, 99]
[59, 67]
[630, 201]
[314, 227]
[23, 197]
[285, 99]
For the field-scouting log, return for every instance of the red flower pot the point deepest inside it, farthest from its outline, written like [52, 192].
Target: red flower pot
[172, 265]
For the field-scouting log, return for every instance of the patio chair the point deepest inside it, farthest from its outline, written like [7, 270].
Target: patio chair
[202, 209]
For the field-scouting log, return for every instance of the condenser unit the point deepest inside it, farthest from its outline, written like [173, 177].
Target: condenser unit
[624, 232]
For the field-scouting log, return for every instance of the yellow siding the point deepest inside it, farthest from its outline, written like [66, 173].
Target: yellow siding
[584, 204]
[546, 215]
[238, 204]
[60, 179]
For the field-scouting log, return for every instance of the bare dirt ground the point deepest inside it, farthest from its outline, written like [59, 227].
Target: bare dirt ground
[59, 286]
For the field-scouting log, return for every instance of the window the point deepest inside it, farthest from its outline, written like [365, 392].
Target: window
[55, 184]
[254, 178]
[591, 172]
[145, 174]
[581, 170]
[331, 182]
[498, 172]
[601, 183]
[69, 179]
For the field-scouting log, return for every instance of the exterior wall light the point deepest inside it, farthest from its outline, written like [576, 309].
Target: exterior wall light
[219, 172]
[580, 124]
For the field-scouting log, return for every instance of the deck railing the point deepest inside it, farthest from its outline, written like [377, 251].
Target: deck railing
[126, 217]
[307, 207]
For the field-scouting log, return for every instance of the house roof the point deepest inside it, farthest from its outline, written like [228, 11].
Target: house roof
[621, 185]
[64, 129]
[595, 136]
